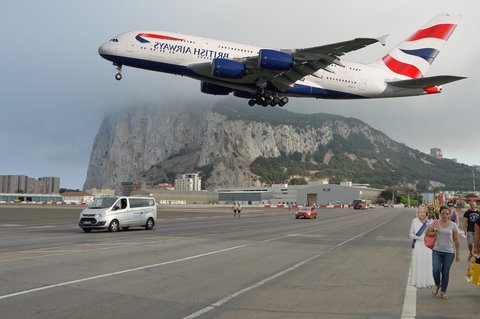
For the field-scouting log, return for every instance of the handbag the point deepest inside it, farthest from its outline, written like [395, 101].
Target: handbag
[473, 273]
[429, 240]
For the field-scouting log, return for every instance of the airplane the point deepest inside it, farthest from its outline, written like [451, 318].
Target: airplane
[268, 76]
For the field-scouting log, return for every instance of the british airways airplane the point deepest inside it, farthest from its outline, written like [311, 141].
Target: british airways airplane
[269, 76]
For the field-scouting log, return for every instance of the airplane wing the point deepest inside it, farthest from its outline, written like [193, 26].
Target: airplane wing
[307, 61]
[421, 83]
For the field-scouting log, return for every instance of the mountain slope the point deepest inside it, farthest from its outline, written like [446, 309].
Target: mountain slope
[232, 145]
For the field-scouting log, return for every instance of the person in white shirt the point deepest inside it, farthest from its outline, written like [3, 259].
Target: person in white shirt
[421, 275]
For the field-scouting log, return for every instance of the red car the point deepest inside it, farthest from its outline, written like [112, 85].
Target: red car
[306, 212]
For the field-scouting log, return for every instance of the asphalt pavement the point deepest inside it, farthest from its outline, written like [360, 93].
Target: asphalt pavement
[201, 262]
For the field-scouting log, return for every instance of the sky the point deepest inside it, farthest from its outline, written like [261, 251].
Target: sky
[55, 89]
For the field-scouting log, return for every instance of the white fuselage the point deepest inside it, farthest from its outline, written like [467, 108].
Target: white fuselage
[192, 56]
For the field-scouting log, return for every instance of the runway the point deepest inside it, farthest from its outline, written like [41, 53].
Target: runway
[200, 262]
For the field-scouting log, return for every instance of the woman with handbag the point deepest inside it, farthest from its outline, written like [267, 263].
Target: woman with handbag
[446, 248]
[421, 275]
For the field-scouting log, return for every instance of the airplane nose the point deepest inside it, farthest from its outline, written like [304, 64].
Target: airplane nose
[102, 50]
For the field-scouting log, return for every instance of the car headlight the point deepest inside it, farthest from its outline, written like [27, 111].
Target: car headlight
[102, 214]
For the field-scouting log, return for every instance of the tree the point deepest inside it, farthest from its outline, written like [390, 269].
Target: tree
[298, 181]
[387, 194]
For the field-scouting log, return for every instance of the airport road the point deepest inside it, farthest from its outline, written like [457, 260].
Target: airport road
[203, 263]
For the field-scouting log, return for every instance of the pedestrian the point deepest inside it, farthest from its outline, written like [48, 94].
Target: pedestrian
[421, 276]
[453, 213]
[239, 208]
[470, 216]
[446, 248]
[476, 238]
[431, 214]
[235, 208]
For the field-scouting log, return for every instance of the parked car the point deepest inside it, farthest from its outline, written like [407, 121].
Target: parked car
[306, 212]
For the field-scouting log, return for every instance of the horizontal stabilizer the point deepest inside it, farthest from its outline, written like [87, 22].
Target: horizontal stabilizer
[421, 83]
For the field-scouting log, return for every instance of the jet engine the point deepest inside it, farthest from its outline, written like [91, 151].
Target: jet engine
[225, 68]
[214, 89]
[275, 60]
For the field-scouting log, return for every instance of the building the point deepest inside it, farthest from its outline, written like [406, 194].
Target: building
[77, 197]
[249, 194]
[101, 192]
[25, 184]
[436, 152]
[319, 193]
[49, 185]
[30, 198]
[13, 184]
[127, 188]
[333, 193]
[178, 197]
[188, 182]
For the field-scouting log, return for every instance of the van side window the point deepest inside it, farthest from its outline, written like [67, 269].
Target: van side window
[123, 203]
[141, 202]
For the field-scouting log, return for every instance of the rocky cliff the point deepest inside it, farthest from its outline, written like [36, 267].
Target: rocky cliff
[154, 143]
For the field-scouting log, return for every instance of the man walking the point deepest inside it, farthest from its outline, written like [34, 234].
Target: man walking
[235, 208]
[471, 216]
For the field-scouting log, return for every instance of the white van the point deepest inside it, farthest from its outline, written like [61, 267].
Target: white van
[113, 213]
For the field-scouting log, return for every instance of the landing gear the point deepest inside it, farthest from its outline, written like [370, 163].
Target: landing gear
[118, 76]
[267, 99]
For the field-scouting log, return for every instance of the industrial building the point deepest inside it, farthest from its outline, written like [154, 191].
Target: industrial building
[164, 196]
[334, 193]
[320, 194]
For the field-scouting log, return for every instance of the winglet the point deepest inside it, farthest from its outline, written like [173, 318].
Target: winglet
[383, 39]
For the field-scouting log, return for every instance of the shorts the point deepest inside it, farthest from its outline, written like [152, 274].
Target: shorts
[470, 237]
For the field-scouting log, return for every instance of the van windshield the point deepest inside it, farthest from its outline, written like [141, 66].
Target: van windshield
[103, 202]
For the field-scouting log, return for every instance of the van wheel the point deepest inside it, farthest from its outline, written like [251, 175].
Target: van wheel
[87, 230]
[113, 227]
[150, 223]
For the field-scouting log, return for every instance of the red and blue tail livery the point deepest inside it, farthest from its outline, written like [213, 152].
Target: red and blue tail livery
[268, 76]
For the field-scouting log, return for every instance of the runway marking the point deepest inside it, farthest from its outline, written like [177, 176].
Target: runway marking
[410, 302]
[279, 274]
[35, 227]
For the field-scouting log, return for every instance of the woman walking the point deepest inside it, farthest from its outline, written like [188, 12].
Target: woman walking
[421, 275]
[446, 248]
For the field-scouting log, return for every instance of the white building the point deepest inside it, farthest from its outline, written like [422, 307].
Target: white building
[188, 182]
[77, 197]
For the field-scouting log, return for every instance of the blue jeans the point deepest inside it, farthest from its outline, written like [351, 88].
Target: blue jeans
[441, 263]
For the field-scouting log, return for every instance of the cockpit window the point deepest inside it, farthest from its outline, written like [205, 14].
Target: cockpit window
[114, 40]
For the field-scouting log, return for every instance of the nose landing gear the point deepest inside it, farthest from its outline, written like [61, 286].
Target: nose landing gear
[266, 98]
[118, 76]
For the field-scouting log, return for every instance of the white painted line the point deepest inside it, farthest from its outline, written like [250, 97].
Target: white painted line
[24, 292]
[281, 273]
[410, 302]
[36, 227]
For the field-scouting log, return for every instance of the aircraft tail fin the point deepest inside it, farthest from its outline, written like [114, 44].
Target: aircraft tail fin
[413, 57]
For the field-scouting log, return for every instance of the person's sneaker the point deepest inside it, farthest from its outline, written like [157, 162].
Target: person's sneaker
[444, 295]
